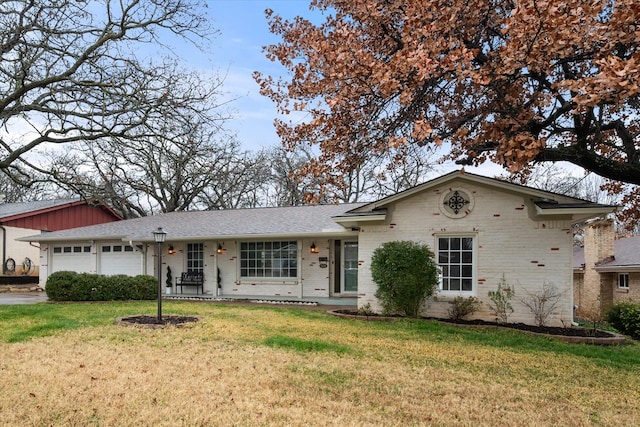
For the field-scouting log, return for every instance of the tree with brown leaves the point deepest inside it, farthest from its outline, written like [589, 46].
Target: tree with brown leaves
[514, 82]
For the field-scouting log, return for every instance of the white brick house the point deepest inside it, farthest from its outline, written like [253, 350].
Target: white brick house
[479, 228]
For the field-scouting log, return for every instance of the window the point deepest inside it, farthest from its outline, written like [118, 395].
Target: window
[106, 249]
[269, 259]
[195, 257]
[455, 258]
[71, 249]
[623, 280]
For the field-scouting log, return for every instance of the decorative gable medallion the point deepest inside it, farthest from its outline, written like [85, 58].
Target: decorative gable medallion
[456, 203]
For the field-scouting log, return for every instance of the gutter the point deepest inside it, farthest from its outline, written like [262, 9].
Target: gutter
[4, 247]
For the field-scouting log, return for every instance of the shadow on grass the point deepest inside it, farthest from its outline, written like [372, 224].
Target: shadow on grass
[626, 356]
[42, 330]
[281, 341]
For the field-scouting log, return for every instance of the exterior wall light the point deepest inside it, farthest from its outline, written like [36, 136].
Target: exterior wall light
[314, 249]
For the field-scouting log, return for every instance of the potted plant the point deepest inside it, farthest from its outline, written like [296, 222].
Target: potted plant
[169, 281]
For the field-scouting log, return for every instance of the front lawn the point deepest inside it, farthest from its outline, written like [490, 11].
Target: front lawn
[70, 364]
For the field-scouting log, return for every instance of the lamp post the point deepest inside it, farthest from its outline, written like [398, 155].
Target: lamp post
[159, 235]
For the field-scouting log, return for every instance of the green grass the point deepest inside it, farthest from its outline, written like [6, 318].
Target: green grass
[281, 341]
[24, 322]
[21, 323]
[71, 364]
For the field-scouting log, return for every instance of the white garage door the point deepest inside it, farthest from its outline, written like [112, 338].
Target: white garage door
[71, 258]
[120, 259]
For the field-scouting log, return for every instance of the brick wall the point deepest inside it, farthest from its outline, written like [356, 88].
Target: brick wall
[596, 292]
[508, 242]
[627, 295]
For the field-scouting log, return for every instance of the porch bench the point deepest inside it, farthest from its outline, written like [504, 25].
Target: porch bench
[191, 278]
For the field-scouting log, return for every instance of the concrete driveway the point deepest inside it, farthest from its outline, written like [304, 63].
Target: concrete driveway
[13, 298]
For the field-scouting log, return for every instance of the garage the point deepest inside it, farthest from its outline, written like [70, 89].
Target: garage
[71, 258]
[120, 259]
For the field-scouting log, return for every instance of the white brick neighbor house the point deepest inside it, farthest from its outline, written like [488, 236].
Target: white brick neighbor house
[478, 228]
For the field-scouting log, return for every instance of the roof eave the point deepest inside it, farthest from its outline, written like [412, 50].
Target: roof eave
[259, 236]
[468, 177]
[360, 218]
[169, 238]
[88, 238]
[617, 268]
[576, 214]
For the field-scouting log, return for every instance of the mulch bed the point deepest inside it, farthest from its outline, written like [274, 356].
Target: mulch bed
[152, 321]
[569, 334]
[547, 330]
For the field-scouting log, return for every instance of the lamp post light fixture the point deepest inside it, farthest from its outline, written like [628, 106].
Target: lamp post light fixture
[159, 236]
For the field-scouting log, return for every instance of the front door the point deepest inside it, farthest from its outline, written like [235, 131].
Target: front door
[349, 268]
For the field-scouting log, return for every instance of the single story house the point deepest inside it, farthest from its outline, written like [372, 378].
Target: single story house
[606, 270]
[480, 229]
[24, 219]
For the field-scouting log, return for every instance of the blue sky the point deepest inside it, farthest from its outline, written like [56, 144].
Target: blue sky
[237, 52]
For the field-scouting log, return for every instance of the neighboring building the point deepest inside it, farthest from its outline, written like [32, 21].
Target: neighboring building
[479, 228]
[606, 270]
[24, 219]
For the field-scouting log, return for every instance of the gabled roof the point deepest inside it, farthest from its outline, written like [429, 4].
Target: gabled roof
[546, 203]
[12, 211]
[219, 224]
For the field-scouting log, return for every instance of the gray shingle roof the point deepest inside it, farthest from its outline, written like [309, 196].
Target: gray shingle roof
[627, 253]
[10, 209]
[239, 223]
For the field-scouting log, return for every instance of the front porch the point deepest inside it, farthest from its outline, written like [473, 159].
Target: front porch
[346, 302]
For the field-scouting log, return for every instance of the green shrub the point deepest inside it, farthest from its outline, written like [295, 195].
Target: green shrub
[625, 317]
[60, 286]
[462, 307]
[71, 286]
[143, 287]
[406, 275]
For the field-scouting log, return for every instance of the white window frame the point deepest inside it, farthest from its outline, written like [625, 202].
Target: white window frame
[71, 250]
[194, 259]
[252, 246]
[474, 265]
[623, 280]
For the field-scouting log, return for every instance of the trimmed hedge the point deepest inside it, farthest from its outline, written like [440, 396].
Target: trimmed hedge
[625, 317]
[71, 286]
